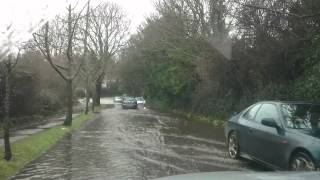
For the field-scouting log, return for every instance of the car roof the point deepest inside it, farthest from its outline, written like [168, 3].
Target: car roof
[290, 102]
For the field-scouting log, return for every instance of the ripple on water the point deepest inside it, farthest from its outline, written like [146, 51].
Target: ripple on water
[137, 144]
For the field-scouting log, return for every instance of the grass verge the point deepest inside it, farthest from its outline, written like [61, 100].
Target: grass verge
[162, 106]
[28, 149]
[194, 117]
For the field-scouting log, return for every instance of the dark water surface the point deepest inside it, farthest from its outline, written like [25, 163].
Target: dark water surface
[135, 144]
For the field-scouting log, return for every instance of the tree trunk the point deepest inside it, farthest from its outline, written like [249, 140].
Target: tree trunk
[98, 93]
[7, 147]
[86, 57]
[93, 102]
[87, 102]
[68, 120]
[6, 127]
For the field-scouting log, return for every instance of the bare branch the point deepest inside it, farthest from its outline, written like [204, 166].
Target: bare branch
[281, 12]
[17, 58]
[48, 54]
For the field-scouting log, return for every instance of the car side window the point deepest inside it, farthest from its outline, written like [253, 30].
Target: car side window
[250, 114]
[267, 111]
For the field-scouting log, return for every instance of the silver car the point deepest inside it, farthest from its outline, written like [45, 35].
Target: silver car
[140, 100]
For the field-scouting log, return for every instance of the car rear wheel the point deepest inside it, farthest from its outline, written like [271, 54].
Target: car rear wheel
[302, 162]
[233, 146]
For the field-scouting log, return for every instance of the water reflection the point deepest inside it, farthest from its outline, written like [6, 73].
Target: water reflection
[135, 144]
[59, 159]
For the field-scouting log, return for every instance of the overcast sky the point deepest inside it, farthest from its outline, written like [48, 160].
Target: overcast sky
[137, 10]
[24, 15]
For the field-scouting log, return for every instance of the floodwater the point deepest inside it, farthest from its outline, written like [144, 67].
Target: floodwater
[136, 144]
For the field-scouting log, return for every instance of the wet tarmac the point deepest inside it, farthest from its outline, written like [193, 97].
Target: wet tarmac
[136, 144]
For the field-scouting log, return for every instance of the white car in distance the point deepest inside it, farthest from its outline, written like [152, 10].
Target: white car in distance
[140, 100]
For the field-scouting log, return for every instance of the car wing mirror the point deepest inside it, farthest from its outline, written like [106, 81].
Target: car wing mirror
[269, 122]
[233, 114]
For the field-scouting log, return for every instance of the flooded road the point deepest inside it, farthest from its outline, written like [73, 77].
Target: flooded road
[135, 144]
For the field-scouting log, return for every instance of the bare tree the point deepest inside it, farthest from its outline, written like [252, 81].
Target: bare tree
[7, 68]
[85, 55]
[86, 68]
[65, 65]
[206, 17]
[107, 35]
